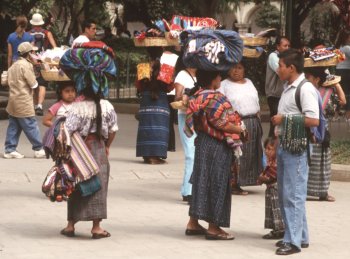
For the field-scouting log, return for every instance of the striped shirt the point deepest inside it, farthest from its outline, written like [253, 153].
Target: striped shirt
[210, 111]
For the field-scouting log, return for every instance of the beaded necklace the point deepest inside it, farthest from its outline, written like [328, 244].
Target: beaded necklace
[294, 135]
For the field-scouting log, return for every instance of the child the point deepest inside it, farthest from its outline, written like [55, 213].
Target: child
[66, 96]
[273, 216]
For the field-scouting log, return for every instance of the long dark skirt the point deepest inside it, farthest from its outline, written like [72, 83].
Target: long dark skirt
[153, 131]
[319, 172]
[211, 190]
[273, 214]
[93, 206]
[251, 160]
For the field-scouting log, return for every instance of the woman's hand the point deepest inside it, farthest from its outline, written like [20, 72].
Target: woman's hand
[277, 119]
[107, 151]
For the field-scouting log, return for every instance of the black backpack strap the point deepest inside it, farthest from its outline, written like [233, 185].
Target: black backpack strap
[297, 94]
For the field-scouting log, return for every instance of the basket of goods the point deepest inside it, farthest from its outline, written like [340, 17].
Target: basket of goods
[252, 52]
[178, 105]
[54, 74]
[323, 57]
[252, 40]
[50, 64]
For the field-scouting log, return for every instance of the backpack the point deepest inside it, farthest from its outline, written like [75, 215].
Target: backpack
[319, 132]
[40, 38]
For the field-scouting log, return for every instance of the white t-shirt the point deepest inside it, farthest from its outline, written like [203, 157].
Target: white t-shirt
[80, 39]
[243, 97]
[308, 99]
[184, 78]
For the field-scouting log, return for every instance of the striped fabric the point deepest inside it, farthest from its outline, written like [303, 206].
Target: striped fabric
[83, 161]
[82, 63]
[319, 171]
[211, 190]
[153, 129]
[214, 112]
[93, 206]
[326, 95]
[251, 159]
[273, 214]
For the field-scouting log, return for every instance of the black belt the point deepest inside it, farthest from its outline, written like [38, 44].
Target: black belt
[249, 116]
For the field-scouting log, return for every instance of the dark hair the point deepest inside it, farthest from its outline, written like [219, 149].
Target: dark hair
[155, 52]
[205, 78]
[313, 43]
[87, 24]
[279, 39]
[342, 37]
[89, 92]
[61, 85]
[317, 72]
[293, 57]
[270, 141]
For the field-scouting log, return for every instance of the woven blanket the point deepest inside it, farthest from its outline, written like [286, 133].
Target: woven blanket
[94, 64]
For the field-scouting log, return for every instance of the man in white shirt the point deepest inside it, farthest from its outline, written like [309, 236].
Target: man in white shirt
[292, 167]
[89, 34]
[273, 84]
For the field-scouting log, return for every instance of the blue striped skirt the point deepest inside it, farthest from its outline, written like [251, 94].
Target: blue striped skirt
[211, 190]
[153, 131]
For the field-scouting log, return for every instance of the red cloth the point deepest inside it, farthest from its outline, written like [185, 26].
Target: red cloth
[95, 45]
[166, 73]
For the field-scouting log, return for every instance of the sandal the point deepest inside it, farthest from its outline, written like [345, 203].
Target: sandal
[219, 236]
[327, 198]
[238, 191]
[67, 233]
[196, 232]
[274, 235]
[104, 234]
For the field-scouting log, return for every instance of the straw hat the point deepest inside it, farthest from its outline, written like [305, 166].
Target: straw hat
[331, 80]
[37, 19]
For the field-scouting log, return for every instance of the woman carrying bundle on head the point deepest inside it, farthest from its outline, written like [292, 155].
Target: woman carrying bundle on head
[95, 120]
[217, 126]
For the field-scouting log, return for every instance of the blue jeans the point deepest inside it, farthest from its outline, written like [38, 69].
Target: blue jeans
[188, 145]
[292, 175]
[30, 128]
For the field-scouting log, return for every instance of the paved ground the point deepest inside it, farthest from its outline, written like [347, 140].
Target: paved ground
[146, 216]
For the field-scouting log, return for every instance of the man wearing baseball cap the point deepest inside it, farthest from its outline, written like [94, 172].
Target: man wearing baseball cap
[43, 39]
[20, 107]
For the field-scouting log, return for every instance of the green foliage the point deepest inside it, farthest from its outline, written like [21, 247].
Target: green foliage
[268, 17]
[340, 152]
[124, 49]
[323, 20]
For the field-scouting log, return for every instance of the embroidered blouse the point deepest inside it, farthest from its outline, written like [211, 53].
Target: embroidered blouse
[82, 118]
[210, 111]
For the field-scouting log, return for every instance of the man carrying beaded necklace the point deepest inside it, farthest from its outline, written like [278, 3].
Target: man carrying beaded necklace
[292, 162]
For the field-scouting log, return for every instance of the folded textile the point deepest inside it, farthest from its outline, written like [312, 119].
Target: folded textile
[89, 63]
[211, 50]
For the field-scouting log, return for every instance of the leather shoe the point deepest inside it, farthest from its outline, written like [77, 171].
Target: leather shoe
[281, 243]
[287, 249]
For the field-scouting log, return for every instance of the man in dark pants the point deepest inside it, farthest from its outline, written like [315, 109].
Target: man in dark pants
[274, 85]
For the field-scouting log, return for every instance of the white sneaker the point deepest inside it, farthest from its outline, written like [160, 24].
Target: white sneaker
[13, 154]
[39, 154]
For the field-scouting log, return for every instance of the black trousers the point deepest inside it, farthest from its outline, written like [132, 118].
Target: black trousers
[272, 101]
[172, 121]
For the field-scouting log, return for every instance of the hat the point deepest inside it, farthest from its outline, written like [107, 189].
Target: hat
[25, 47]
[37, 19]
[331, 79]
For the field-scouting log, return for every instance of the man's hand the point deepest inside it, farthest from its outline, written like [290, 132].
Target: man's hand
[277, 119]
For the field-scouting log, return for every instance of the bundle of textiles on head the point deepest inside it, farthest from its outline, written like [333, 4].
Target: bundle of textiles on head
[293, 137]
[90, 61]
[211, 50]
